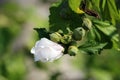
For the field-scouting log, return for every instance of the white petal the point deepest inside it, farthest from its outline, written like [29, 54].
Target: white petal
[37, 44]
[46, 50]
[33, 50]
[46, 54]
[47, 42]
[58, 47]
[43, 42]
[61, 54]
[56, 57]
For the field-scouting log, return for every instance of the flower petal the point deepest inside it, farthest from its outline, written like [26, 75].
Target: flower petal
[46, 50]
[33, 50]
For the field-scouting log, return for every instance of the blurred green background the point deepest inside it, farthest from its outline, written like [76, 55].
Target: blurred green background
[17, 20]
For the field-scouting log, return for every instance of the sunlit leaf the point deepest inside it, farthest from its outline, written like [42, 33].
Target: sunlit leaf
[74, 4]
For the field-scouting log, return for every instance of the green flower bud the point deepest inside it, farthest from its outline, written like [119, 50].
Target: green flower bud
[78, 33]
[66, 39]
[60, 31]
[56, 37]
[72, 50]
[87, 23]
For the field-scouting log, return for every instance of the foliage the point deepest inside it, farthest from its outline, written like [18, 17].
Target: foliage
[71, 27]
[99, 33]
[90, 30]
[12, 17]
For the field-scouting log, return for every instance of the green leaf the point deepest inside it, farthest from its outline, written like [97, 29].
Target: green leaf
[92, 47]
[102, 5]
[98, 35]
[62, 17]
[108, 32]
[42, 32]
[107, 29]
[110, 11]
[94, 34]
[74, 4]
[96, 3]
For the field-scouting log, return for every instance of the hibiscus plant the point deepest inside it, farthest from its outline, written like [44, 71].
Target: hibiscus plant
[76, 27]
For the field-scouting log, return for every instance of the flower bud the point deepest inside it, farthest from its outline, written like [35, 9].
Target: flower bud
[66, 39]
[56, 37]
[46, 50]
[87, 23]
[72, 50]
[78, 33]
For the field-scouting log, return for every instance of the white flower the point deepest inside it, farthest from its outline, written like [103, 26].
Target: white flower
[46, 50]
